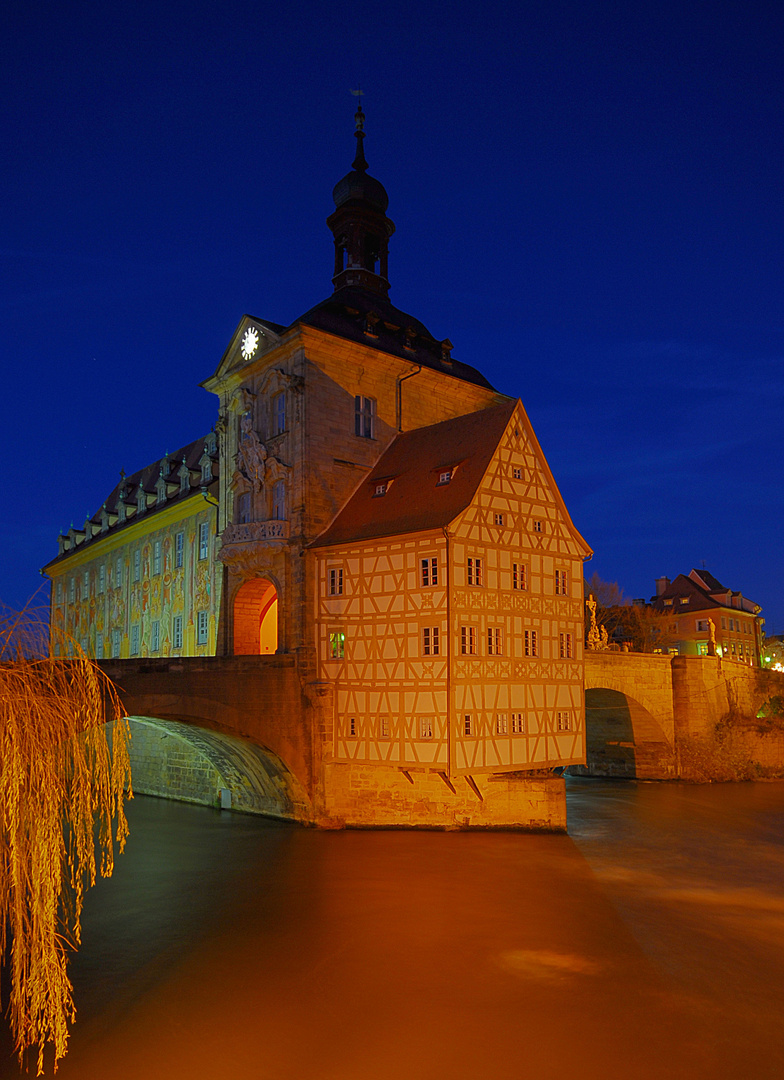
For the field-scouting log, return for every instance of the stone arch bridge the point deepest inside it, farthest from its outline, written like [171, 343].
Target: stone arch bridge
[249, 732]
[643, 711]
[244, 733]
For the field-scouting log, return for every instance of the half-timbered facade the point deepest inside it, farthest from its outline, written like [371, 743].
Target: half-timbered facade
[450, 605]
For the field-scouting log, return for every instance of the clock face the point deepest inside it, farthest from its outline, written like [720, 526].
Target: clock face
[250, 342]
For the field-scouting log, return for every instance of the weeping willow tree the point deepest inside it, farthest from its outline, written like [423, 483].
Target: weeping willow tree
[61, 789]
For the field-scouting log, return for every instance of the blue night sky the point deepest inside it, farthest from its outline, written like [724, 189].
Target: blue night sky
[588, 204]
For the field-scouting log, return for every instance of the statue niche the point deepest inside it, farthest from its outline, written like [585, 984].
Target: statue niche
[251, 456]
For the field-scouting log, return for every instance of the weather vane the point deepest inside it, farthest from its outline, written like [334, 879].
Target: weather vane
[359, 116]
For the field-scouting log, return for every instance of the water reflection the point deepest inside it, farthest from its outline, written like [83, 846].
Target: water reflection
[648, 944]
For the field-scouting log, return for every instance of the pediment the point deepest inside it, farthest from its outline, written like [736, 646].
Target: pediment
[252, 339]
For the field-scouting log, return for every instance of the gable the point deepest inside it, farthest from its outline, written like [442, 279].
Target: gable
[252, 339]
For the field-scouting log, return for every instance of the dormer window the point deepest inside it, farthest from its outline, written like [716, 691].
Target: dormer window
[141, 500]
[371, 323]
[381, 488]
[205, 464]
[184, 474]
[445, 476]
[410, 338]
[446, 352]
[160, 488]
[668, 602]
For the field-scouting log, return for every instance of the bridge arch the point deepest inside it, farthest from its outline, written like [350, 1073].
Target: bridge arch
[623, 738]
[177, 760]
[255, 618]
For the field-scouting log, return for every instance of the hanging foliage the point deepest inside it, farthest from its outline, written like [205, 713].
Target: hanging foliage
[61, 787]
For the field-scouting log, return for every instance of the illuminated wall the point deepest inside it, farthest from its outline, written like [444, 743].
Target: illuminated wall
[151, 588]
[462, 653]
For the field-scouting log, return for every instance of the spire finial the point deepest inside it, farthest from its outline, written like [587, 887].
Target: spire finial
[359, 162]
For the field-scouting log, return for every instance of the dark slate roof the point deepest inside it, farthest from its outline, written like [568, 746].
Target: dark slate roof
[702, 591]
[146, 479]
[415, 501]
[351, 311]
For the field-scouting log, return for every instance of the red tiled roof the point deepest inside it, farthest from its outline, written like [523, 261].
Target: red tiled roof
[415, 501]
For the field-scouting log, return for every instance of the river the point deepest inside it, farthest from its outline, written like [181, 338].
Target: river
[646, 943]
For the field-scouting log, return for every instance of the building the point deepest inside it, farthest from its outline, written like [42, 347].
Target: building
[373, 505]
[697, 600]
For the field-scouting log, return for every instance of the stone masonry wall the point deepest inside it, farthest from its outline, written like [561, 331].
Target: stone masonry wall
[379, 797]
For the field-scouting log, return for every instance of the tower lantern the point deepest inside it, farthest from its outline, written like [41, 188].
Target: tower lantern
[360, 225]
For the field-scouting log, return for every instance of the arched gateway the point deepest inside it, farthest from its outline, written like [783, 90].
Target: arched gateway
[256, 618]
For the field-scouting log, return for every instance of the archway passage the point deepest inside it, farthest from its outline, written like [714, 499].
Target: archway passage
[622, 738]
[175, 760]
[256, 618]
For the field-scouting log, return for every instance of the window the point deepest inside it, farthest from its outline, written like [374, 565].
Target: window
[115, 644]
[684, 599]
[204, 540]
[563, 720]
[723, 623]
[702, 626]
[537, 526]
[135, 639]
[118, 575]
[364, 414]
[243, 508]
[137, 564]
[71, 590]
[530, 644]
[383, 727]
[467, 724]
[337, 645]
[494, 641]
[468, 640]
[517, 473]
[353, 727]
[518, 723]
[279, 413]
[425, 727]
[206, 471]
[668, 602]
[179, 549]
[86, 583]
[156, 557]
[201, 628]
[177, 632]
[155, 643]
[279, 501]
[498, 519]
[336, 581]
[380, 489]
[99, 647]
[501, 724]
[519, 576]
[429, 571]
[445, 476]
[560, 583]
[474, 571]
[702, 648]
[58, 592]
[102, 578]
[430, 641]
[565, 646]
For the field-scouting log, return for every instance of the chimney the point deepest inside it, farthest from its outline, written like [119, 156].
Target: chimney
[661, 584]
